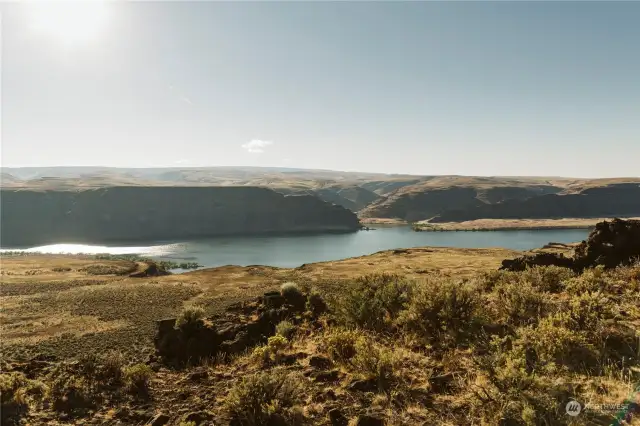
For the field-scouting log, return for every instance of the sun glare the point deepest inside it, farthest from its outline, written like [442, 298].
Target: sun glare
[68, 22]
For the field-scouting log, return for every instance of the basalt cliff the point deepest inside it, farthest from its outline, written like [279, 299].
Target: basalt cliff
[129, 214]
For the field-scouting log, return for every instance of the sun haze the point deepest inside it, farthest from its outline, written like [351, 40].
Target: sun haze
[473, 88]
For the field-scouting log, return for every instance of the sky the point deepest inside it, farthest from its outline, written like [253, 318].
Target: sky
[471, 88]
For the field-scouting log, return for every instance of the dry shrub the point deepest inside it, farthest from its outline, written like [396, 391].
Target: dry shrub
[266, 398]
[443, 312]
[374, 301]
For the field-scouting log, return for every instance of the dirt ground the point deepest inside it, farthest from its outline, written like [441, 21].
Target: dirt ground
[62, 305]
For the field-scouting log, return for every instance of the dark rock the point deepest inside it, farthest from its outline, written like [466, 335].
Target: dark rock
[330, 394]
[326, 376]
[320, 362]
[369, 420]
[289, 359]
[368, 385]
[198, 417]
[198, 375]
[316, 304]
[442, 382]
[537, 259]
[273, 300]
[159, 420]
[337, 418]
[610, 244]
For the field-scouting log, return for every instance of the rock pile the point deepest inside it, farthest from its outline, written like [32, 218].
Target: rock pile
[609, 245]
[243, 325]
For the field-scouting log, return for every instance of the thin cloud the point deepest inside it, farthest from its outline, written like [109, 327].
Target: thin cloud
[256, 146]
[184, 98]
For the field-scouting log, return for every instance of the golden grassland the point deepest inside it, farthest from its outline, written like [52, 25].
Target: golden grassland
[59, 302]
[511, 224]
[428, 336]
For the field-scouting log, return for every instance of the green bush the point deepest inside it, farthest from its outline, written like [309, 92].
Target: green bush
[549, 278]
[587, 310]
[191, 318]
[292, 294]
[16, 393]
[285, 329]
[443, 312]
[272, 351]
[136, 378]
[551, 344]
[519, 303]
[69, 393]
[374, 301]
[374, 362]
[112, 365]
[265, 398]
[316, 304]
[340, 344]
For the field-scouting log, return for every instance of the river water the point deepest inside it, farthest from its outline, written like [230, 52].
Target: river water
[294, 250]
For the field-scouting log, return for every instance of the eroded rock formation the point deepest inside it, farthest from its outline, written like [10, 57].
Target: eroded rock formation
[610, 244]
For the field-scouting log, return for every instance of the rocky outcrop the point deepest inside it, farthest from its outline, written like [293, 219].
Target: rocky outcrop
[243, 325]
[121, 214]
[537, 259]
[609, 245]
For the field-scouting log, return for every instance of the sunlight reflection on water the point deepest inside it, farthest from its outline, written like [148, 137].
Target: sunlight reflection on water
[88, 249]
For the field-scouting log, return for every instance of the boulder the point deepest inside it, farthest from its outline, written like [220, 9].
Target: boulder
[537, 259]
[369, 420]
[610, 244]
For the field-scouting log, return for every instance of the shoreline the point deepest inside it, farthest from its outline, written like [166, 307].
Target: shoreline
[510, 225]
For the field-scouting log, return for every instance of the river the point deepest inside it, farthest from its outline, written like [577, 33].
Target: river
[294, 250]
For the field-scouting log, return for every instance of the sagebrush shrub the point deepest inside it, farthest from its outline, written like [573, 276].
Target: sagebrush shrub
[265, 398]
[315, 303]
[340, 344]
[443, 310]
[190, 318]
[551, 344]
[112, 364]
[548, 278]
[136, 378]
[16, 392]
[292, 294]
[285, 329]
[374, 301]
[374, 361]
[519, 303]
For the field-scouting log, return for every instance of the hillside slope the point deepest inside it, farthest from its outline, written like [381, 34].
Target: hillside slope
[161, 213]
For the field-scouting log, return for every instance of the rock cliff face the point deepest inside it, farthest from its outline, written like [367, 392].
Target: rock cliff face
[413, 205]
[607, 201]
[160, 213]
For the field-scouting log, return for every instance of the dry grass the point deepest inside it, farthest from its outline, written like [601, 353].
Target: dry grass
[454, 344]
[510, 224]
[55, 301]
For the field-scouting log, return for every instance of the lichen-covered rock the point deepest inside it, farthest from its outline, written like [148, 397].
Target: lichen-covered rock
[610, 244]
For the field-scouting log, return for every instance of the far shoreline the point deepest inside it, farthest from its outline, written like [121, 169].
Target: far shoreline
[510, 224]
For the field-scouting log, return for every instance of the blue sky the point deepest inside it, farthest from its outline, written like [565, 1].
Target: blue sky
[473, 88]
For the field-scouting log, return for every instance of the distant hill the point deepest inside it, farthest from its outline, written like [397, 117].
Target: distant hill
[371, 195]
